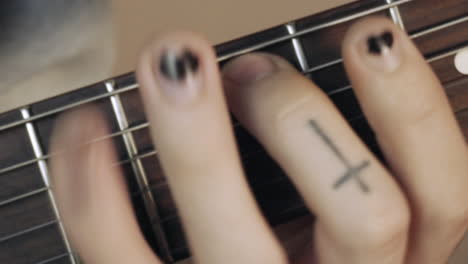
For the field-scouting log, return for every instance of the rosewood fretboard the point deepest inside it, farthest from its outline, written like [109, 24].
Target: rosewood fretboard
[30, 232]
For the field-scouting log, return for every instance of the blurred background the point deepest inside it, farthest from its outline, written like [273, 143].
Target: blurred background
[116, 33]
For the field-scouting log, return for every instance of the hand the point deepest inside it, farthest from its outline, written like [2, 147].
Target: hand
[413, 212]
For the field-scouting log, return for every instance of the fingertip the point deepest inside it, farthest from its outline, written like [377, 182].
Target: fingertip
[242, 76]
[252, 67]
[150, 56]
[376, 45]
[382, 63]
[361, 28]
[247, 69]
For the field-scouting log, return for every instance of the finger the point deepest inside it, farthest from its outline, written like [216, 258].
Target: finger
[407, 108]
[91, 193]
[361, 214]
[190, 126]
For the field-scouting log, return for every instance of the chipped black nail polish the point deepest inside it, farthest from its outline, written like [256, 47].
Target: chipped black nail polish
[377, 44]
[176, 67]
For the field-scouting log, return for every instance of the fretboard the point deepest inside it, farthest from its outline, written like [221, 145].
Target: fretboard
[30, 228]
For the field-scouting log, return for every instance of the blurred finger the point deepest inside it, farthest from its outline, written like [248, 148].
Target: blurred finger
[91, 193]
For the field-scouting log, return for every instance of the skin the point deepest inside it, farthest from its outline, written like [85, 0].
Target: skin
[414, 211]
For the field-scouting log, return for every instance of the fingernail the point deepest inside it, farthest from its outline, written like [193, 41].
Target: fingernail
[177, 67]
[382, 52]
[178, 74]
[380, 44]
[249, 69]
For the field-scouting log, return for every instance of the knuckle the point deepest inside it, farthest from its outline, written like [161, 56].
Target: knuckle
[384, 228]
[413, 106]
[454, 216]
[421, 112]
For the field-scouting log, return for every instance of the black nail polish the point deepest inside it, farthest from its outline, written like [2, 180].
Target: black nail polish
[378, 43]
[176, 67]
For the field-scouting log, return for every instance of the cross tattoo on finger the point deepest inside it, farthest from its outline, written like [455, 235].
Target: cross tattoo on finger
[352, 172]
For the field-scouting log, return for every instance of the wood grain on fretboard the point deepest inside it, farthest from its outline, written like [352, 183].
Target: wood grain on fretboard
[29, 232]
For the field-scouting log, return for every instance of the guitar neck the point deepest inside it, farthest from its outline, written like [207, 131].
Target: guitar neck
[28, 215]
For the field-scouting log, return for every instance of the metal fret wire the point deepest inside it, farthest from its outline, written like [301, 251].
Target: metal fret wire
[396, 16]
[134, 86]
[154, 152]
[222, 58]
[43, 168]
[151, 207]
[297, 45]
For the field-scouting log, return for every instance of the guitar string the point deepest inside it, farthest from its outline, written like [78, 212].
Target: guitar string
[236, 124]
[168, 218]
[173, 215]
[176, 249]
[121, 162]
[134, 86]
[140, 175]
[416, 35]
[28, 230]
[298, 49]
[162, 220]
[145, 125]
[433, 29]
[311, 29]
[45, 175]
[220, 59]
[58, 257]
